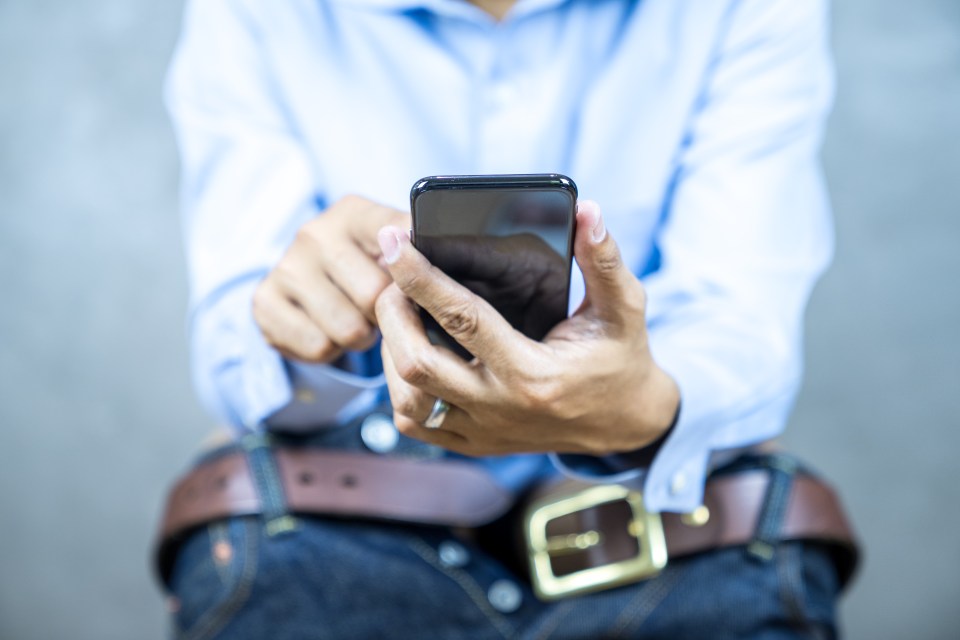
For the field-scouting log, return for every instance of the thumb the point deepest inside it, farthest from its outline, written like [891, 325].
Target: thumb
[612, 291]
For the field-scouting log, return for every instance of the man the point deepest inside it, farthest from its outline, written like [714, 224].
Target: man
[696, 126]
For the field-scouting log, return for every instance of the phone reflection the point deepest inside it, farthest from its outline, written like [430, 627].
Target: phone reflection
[520, 275]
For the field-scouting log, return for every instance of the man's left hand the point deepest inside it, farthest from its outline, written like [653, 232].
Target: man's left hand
[591, 386]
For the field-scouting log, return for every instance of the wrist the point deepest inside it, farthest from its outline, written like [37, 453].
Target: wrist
[656, 411]
[664, 401]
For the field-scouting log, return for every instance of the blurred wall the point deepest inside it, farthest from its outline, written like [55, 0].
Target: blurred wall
[96, 412]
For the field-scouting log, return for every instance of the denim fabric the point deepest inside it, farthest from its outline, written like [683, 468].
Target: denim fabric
[347, 579]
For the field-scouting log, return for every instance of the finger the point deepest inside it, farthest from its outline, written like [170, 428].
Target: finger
[612, 290]
[406, 399]
[368, 219]
[329, 308]
[468, 319]
[357, 275]
[288, 329]
[442, 437]
[411, 407]
[436, 371]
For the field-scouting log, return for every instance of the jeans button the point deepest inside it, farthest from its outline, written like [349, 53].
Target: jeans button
[505, 596]
[453, 554]
[379, 434]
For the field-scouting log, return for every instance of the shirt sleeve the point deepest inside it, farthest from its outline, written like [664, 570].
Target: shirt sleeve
[746, 232]
[247, 186]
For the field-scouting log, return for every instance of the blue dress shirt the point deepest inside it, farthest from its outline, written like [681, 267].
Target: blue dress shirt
[695, 125]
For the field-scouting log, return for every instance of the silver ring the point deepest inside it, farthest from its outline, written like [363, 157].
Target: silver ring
[437, 415]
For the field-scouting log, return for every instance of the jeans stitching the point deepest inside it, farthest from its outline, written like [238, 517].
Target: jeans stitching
[551, 622]
[793, 592]
[275, 505]
[791, 584]
[645, 602]
[467, 583]
[213, 621]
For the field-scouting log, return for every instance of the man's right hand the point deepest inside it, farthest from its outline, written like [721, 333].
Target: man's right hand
[319, 300]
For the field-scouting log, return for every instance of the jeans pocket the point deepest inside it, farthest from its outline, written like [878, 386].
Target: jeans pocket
[809, 588]
[212, 577]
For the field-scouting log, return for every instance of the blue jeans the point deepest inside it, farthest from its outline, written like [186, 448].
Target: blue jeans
[332, 578]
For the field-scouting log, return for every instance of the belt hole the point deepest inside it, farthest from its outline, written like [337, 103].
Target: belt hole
[348, 481]
[220, 482]
[306, 477]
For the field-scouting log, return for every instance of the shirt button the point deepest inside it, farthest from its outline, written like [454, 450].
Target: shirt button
[505, 596]
[379, 434]
[453, 554]
[678, 483]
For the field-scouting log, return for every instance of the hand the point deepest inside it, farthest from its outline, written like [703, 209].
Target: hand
[523, 277]
[590, 387]
[319, 299]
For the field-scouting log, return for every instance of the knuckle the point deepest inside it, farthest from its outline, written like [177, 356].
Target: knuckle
[542, 396]
[404, 424]
[386, 301]
[564, 412]
[367, 301]
[414, 370]
[368, 293]
[350, 199]
[608, 262]
[344, 206]
[399, 218]
[306, 234]
[405, 403]
[389, 215]
[336, 254]
[285, 273]
[460, 320]
[356, 336]
[381, 303]
[316, 349]
[410, 282]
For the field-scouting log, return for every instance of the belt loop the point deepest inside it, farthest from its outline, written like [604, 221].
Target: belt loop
[266, 476]
[782, 470]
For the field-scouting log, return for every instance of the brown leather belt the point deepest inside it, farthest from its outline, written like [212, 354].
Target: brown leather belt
[571, 531]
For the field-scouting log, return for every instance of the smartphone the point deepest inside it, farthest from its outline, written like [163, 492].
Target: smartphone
[506, 238]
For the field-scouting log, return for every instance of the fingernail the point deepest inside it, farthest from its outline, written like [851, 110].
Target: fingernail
[592, 210]
[599, 229]
[389, 244]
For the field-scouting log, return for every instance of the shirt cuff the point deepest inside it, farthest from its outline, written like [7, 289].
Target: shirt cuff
[324, 396]
[246, 382]
[238, 376]
[674, 474]
[677, 474]
[618, 468]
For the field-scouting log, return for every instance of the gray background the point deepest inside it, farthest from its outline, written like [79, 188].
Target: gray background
[96, 412]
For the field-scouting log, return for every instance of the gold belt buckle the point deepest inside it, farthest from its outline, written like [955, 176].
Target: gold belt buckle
[646, 527]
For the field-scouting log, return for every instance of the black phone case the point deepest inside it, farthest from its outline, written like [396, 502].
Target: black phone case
[518, 182]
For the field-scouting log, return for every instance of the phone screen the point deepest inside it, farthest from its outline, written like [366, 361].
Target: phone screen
[508, 239]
